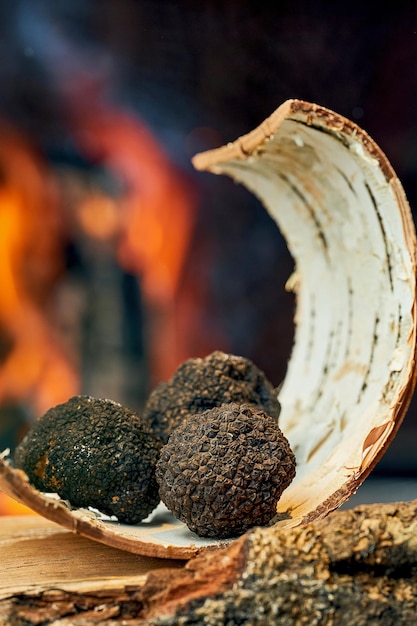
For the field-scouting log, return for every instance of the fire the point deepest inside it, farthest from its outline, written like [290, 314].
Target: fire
[8, 506]
[156, 219]
[157, 207]
[34, 370]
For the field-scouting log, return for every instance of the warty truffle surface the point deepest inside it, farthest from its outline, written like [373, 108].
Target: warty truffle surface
[203, 383]
[224, 470]
[94, 453]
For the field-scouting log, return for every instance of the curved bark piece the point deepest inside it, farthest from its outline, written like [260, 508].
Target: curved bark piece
[162, 536]
[348, 226]
[352, 373]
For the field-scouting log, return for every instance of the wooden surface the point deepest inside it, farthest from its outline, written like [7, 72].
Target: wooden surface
[357, 566]
[37, 554]
[50, 575]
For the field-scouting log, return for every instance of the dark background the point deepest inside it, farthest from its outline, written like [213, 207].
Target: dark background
[200, 74]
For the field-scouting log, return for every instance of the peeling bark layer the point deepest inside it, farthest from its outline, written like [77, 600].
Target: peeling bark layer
[356, 567]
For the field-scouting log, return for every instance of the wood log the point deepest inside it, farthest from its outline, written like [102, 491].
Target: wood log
[355, 567]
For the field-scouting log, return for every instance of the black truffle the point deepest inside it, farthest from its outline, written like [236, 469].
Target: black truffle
[94, 453]
[201, 384]
[224, 470]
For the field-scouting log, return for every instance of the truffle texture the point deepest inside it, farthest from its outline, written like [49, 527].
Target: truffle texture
[94, 453]
[224, 470]
[201, 384]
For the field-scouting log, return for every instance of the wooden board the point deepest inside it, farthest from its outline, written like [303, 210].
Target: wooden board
[37, 554]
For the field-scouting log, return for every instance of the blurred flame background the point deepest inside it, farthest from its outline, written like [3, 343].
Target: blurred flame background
[117, 260]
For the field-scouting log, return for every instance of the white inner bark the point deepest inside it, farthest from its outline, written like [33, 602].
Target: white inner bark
[355, 286]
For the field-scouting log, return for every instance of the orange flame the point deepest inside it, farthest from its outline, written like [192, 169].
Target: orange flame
[157, 214]
[8, 506]
[35, 370]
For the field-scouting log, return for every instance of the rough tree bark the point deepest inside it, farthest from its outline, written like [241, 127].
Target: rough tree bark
[356, 567]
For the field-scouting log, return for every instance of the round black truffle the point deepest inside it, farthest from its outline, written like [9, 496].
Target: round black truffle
[224, 470]
[201, 384]
[94, 453]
